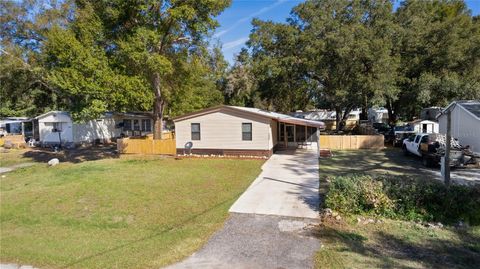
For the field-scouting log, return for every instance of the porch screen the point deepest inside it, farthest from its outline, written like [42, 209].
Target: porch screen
[300, 133]
[312, 134]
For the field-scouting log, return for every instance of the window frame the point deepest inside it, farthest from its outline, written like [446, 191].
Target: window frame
[192, 132]
[136, 125]
[127, 127]
[250, 133]
[145, 123]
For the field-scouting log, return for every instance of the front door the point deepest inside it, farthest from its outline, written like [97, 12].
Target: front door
[290, 131]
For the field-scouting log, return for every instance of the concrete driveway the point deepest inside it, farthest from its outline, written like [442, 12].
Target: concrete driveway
[288, 186]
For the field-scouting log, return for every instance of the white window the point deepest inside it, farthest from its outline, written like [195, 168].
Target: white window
[247, 131]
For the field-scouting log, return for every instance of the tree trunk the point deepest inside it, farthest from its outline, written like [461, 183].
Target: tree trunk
[392, 116]
[338, 118]
[158, 107]
[341, 117]
[364, 114]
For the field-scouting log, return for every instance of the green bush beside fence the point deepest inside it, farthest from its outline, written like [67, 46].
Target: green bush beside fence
[404, 198]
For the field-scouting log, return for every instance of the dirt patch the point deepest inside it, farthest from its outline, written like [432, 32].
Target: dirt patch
[76, 155]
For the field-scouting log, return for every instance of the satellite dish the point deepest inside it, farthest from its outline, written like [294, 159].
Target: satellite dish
[188, 147]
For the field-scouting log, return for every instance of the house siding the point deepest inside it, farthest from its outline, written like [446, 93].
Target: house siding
[223, 130]
[102, 129]
[465, 127]
[45, 127]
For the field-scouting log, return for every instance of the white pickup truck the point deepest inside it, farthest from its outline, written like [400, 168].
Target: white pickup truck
[431, 151]
[412, 144]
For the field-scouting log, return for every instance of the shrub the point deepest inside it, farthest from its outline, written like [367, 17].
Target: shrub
[404, 198]
[358, 194]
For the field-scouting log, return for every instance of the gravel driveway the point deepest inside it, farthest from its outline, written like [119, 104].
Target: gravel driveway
[257, 241]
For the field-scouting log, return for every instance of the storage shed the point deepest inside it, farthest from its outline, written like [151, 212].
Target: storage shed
[465, 120]
[425, 126]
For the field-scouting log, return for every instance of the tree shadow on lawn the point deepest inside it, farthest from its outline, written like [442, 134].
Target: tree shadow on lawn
[77, 155]
[373, 162]
[387, 249]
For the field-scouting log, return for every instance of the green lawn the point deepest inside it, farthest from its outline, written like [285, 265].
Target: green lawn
[117, 213]
[396, 244]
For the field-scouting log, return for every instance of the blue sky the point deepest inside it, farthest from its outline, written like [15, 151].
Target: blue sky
[235, 21]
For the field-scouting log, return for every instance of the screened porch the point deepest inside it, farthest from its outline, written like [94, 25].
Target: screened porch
[290, 135]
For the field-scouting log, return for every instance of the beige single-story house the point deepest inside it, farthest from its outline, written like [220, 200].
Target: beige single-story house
[465, 123]
[232, 130]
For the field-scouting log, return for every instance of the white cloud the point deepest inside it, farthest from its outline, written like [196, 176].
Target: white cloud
[235, 43]
[244, 19]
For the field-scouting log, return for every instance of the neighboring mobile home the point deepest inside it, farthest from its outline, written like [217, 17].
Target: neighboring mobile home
[378, 114]
[57, 127]
[465, 119]
[231, 130]
[329, 118]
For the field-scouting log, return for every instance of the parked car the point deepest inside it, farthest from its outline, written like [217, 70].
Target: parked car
[400, 133]
[431, 147]
[382, 128]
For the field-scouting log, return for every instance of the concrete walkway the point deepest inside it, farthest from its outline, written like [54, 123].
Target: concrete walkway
[13, 167]
[288, 186]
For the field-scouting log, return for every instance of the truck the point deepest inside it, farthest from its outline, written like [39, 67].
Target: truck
[431, 148]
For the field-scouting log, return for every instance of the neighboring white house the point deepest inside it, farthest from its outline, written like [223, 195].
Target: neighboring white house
[424, 126]
[231, 130]
[378, 114]
[323, 114]
[12, 125]
[465, 123]
[329, 117]
[57, 126]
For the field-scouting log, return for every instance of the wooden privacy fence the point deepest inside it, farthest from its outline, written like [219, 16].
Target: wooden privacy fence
[14, 141]
[147, 145]
[351, 141]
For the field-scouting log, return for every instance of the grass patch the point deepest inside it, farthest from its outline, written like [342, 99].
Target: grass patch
[117, 213]
[374, 162]
[396, 244]
[13, 157]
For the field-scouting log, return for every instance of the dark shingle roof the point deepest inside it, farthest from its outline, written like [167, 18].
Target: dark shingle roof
[472, 106]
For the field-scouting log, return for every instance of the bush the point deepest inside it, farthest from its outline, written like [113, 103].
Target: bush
[404, 198]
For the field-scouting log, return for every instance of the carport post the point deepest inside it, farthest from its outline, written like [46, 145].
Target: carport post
[318, 142]
[446, 162]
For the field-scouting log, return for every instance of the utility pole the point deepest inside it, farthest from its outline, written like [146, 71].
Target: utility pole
[447, 148]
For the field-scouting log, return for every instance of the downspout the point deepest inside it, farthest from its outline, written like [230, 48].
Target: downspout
[318, 142]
